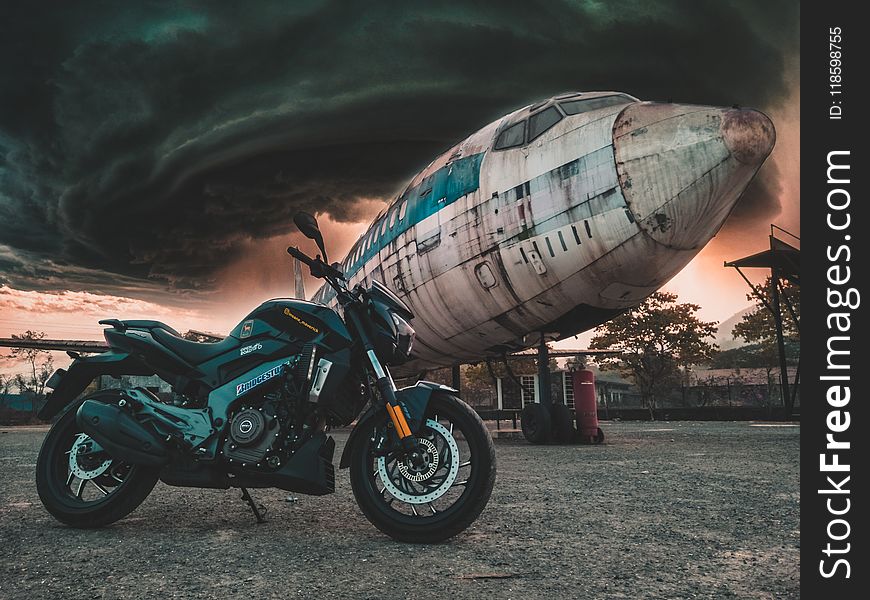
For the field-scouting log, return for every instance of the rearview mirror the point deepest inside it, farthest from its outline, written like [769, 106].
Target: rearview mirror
[307, 224]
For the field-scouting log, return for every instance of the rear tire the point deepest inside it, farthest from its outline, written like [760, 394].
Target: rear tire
[536, 423]
[122, 486]
[563, 423]
[470, 463]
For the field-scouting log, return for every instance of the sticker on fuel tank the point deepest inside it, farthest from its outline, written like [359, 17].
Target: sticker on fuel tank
[247, 329]
[299, 320]
[251, 348]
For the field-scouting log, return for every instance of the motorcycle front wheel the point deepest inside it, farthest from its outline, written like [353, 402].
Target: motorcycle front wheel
[80, 484]
[438, 497]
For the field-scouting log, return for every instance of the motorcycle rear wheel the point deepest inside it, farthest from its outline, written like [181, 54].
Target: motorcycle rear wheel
[84, 489]
[432, 502]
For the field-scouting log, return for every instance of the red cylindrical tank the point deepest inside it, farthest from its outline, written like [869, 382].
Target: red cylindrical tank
[586, 407]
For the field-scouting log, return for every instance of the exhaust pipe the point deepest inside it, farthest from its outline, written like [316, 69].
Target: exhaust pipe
[121, 435]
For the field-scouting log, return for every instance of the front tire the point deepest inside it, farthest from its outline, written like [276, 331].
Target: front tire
[432, 502]
[82, 488]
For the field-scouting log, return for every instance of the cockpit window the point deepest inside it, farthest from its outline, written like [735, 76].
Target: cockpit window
[542, 121]
[575, 107]
[511, 137]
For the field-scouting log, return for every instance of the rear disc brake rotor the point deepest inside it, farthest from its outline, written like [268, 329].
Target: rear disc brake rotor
[83, 465]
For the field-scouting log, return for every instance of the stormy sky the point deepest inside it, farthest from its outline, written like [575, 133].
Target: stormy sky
[149, 149]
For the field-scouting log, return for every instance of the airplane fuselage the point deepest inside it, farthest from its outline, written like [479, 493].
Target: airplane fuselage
[555, 218]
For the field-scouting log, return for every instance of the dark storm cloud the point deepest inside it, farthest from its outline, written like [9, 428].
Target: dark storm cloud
[148, 141]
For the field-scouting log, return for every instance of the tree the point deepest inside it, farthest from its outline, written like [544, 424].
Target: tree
[575, 363]
[759, 326]
[40, 370]
[5, 385]
[753, 356]
[478, 374]
[656, 340]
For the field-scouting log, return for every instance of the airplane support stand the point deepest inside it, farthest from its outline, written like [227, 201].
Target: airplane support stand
[544, 391]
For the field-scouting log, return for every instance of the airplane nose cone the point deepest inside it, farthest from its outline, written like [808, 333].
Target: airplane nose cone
[748, 134]
[682, 168]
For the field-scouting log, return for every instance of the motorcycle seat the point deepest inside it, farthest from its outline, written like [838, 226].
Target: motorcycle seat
[192, 352]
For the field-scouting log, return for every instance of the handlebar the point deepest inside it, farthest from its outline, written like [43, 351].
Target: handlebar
[318, 268]
[299, 255]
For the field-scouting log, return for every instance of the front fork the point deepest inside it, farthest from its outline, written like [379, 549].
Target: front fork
[385, 384]
[387, 388]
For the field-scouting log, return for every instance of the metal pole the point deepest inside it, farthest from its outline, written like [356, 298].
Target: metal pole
[780, 343]
[299, 283]
[457, 383]
[544, 372]
[797, 381]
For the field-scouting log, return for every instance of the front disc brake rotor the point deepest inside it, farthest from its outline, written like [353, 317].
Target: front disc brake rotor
[432, 463]
[83, 465]
[424, 471]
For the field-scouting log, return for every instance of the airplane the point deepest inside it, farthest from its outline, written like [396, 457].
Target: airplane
[554, 219]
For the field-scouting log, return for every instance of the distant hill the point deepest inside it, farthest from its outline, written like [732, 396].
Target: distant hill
[724, 338]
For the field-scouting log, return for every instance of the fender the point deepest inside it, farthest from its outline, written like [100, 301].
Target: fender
[414, 399]
[68, 384]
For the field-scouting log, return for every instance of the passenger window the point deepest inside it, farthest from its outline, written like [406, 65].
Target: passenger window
[393, 217]
[575, 107]
[541, 122]
[402, 209]
[511, 137]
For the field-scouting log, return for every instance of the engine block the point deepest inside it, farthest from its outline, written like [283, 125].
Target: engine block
[253, 431]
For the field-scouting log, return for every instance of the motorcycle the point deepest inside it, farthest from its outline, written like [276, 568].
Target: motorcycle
[254, 411]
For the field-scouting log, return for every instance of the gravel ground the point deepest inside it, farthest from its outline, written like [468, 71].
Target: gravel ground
[661, 510]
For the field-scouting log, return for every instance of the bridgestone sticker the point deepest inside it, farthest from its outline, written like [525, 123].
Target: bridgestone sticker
[244, 387]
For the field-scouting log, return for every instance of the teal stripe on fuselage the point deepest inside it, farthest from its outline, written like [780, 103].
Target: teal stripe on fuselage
[422, 204]
[443, 187]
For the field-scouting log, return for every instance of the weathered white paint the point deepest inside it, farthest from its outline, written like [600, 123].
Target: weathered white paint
[651, 185]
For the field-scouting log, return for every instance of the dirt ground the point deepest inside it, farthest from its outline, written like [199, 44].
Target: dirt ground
[661, 510]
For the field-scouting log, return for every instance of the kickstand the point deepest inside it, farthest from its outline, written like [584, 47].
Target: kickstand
[258, 510]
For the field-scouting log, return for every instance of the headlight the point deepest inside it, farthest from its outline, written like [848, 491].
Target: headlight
[405, 335]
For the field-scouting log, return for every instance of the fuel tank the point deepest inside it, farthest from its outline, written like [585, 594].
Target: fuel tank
[281, 328]
[294, 319]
